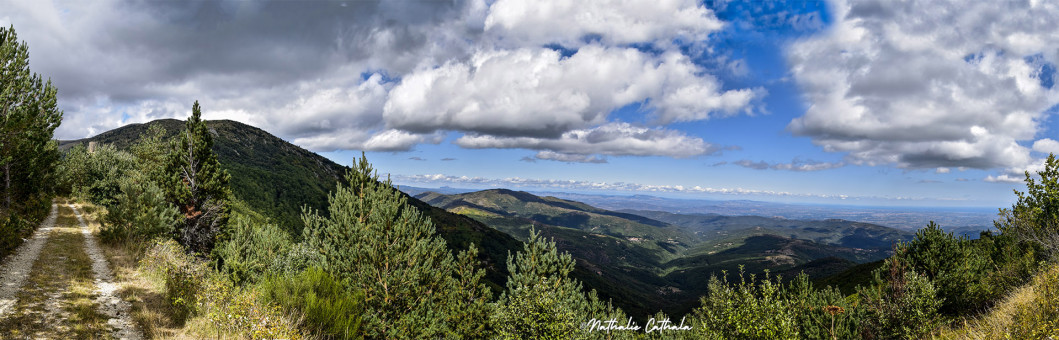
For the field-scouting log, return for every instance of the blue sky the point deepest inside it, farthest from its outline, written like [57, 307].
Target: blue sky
[916, 103]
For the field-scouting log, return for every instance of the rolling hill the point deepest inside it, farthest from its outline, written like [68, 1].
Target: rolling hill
[277, 178]
[642, 261]
[666, 258]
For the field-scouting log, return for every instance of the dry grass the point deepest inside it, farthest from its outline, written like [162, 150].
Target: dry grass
[151, 310]
[1021, 309]
[58, 300]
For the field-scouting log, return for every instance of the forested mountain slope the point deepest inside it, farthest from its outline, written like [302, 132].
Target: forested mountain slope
[278, 178]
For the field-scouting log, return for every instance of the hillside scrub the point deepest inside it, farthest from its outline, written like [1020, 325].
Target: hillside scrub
[373, 266]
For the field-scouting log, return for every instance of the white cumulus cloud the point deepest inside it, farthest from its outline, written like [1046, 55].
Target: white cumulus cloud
[928, 84]
[614, 139]
[613, 21]
[537, 92]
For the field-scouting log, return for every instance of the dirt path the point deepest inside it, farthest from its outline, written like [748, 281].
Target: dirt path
[58, 285]
[116, 309]
[13, 274]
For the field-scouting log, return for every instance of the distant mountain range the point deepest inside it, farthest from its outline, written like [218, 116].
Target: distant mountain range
[966, 221]
[644, 260]
[665, 258]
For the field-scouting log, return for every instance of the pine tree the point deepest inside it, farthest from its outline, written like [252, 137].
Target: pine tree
[376, 243]
[542, 301]
[28, 118]
[198, 186]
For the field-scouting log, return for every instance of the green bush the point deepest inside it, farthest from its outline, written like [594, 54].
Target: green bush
[328, 310]
[969, 275]
[901, 305]
[21, 222]
[249, 250]
[955, 266]
[1035, 216]
[95, 176]
[748, 309]
[140, 212]
[298, 258]
[824, 313]
[542, 301]
[192, 288]
[12, 230]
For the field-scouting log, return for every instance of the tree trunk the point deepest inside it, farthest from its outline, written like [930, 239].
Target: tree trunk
[7, 186]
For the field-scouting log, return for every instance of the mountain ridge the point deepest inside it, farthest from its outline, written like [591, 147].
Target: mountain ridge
[278, 178]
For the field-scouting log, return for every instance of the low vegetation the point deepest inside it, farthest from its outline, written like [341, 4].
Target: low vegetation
[200, 262]
[373, 266]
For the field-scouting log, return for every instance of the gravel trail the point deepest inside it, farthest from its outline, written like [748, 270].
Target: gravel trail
[14, 273]
[116, 309]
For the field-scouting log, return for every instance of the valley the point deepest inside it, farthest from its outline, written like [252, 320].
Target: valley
[666, 257]
[642, 260]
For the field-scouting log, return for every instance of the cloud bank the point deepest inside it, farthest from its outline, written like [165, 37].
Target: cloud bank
[390, 75]
[930, 84]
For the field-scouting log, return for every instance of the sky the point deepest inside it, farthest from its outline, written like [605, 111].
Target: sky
[900, 103]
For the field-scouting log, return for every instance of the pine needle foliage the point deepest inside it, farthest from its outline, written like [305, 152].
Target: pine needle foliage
[375, 243]
[198, 186]
[28, 118]
[542, 301]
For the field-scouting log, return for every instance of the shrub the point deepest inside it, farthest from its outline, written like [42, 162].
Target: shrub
[746, 310]
[193, 289]
[542, 301]
[95, 176]
[140, 212]
[969, 275]
[298, 258]
[12, 231]
[954, 265]
[182, 276]
[250, 248]
[901, 305]
[21, 222]
[823, 313]
[327, 308]
[1035, 216]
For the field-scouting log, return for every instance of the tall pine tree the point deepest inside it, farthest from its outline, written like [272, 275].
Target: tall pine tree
[28, 118]
[198, 186]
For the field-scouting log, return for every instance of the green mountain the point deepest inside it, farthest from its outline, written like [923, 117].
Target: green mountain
[653, 260]
[642, 262]
[508, 204]
[620, 255]
[277, 179]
